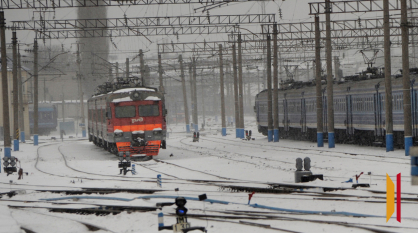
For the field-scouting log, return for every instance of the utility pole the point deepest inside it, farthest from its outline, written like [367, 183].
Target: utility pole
[203, 101]
[117, 70]
[337, 68]
[234, 67]
[405, 78]
[4, 81]
[20, 87]
[192, 91]
[269, 96]
[80, 89]
[109, 79]
[319, 113]
[221, 81]
[35, 92]
[127, 69]
[183, 84]
[330, 91]
[15, 95]
[142, 67]
[275, 86]
[160, 74]
[195, 117]
[241, 90]
[388, 80]
[62, 107]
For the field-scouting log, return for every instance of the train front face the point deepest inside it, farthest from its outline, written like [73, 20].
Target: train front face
[139, 126]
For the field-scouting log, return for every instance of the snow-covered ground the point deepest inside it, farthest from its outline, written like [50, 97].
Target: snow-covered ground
[219, 167]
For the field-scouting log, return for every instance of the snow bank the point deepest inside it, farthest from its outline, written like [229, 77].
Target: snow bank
[154, 98]
[124, 99]
[7, 223]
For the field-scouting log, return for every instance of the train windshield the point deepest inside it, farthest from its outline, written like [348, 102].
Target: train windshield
[125, 111]
[149, 110]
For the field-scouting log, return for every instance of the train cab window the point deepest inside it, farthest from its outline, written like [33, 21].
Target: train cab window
[125, 111]
[149, 110]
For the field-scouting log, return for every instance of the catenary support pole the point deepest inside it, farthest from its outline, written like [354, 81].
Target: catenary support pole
[388, 81]
[127, 69]
[20, 86]
[142, 67]
[275, 86]
[183, 84]
[195, 116]
[337, 68]
[191, 91]
[330, 82]
[35, 92]
[117, 70]
[405, 78]
[240, 89]
[222, 90]
[318, 81]
[15, 95]
[80, 89]
[235, 70]
[4, 82]
[160, 74]
[203, 100]
[269, 94]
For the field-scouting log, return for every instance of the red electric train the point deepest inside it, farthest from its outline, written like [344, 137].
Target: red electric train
[127, 117]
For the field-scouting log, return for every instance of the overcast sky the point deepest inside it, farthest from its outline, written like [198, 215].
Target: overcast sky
[292, 11]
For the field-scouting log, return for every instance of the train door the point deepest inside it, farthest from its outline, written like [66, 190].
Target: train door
[378, 114]
[286, 115]
[303, 115]
[349, 114]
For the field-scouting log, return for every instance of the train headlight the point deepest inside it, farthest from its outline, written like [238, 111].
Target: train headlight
[118, 134]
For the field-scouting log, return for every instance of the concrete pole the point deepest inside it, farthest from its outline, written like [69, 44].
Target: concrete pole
[337, 68]
[330, 82]
[405, 78]
[240, 89]
[388, 80]
[142, 67]
[183, 84]
[203, 100]
[63, 107]
[228, 93]
[275, 86]
[192, 91]
[20, 86]
[15, 95]
[127, 69]
[117, 70]
[237, 112]
[319, 113]
[160, 74]
[222, 89]
[35, 92]
[269, 94]
[5, 94]
[195, 116]
[83, 127]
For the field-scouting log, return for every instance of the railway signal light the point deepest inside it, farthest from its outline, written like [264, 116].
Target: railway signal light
[181, 210]
[9, 164]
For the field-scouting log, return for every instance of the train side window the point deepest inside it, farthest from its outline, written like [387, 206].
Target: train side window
[149, 110]
[125, 111]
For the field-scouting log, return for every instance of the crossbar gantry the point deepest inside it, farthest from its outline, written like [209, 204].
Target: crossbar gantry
[52, 4]
[143, 22]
